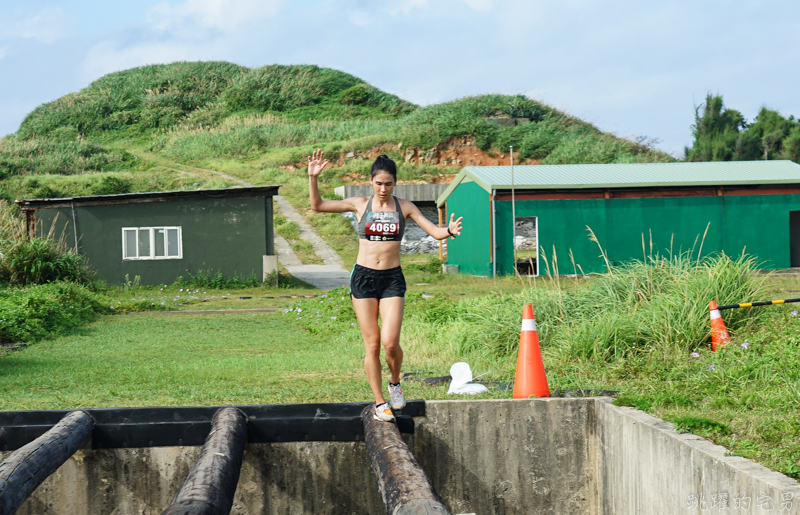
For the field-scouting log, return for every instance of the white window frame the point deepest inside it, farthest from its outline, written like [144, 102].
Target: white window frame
[152, 256]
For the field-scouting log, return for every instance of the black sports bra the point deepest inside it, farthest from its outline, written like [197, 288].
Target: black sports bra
[382, 225]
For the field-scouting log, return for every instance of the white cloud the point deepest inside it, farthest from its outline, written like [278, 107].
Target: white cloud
[3, 52]
[215, 14]
[406, 6]
[361, 18]
[480, 5]
[45, 25]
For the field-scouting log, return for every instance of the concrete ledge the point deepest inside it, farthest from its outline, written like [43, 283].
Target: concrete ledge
[412, 192]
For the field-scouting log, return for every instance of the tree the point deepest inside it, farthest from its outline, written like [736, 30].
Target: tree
[716, 131]
[722, 134]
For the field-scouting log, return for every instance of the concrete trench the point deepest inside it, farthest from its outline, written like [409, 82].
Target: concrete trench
[559, 456]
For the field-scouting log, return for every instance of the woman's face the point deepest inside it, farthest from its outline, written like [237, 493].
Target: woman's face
[382, 185]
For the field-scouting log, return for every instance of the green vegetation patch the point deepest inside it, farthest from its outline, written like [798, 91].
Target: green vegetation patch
[163, 95]
[33, 313]
[57, 156]
[723, 134]
[700, 425]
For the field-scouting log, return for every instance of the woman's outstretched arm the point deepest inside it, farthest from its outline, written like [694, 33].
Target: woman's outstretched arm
[315, 166]
[426, 225]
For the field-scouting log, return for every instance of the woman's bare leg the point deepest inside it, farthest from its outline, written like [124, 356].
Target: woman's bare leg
[391, 310]
[367, 315]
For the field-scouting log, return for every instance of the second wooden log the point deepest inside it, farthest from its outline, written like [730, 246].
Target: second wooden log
[211, 484]
[403, 484]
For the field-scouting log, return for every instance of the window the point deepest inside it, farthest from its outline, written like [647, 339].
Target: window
[152, 243]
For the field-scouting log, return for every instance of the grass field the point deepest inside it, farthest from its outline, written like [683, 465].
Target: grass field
[169, 360]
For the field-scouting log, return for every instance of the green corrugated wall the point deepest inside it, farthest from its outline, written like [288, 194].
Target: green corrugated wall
[473, 248]
[757, 223]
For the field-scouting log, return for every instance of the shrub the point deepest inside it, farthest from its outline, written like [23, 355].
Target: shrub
[111, 185]
[432, 266]
[41, 261]
[357, 95]
[32, 313]
[216, 280]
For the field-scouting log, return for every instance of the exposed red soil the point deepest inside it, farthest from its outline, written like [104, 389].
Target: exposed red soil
[456, 153]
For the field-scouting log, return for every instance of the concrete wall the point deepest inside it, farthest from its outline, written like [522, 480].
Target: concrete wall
[644, 466]
[510, 456]
[412, 192]
[560, 456]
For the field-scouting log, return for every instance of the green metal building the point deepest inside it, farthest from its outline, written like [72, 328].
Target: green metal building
[161, 236]
[751, 206]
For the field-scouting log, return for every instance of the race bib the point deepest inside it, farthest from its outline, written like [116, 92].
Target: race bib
[382, 226]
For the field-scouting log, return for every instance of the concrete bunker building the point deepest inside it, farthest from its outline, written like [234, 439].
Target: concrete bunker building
[731, 207]
[160, 236]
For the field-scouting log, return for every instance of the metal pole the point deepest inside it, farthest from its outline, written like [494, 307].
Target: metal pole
[74, 226]
[441, 245]
[513, 211]
[494, 234]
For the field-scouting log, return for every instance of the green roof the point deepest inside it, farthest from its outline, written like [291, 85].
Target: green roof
[632, 175]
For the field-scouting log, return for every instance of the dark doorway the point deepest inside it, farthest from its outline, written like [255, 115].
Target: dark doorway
[794, 238]
[526, 236]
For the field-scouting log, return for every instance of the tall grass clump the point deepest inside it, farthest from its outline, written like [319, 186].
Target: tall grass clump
[32, 261]
[53, 155]
[41, 261]
[249, 138]
[12, 222]
[638, 305]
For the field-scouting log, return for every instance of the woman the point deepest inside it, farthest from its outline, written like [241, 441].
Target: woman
[377, 285]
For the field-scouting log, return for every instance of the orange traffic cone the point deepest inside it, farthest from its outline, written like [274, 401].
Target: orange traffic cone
[719, 334]
[530, 380]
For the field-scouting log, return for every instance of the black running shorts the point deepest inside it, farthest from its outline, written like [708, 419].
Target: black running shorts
[366, 283]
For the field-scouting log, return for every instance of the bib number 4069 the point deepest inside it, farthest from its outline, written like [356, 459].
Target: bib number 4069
[384, 228]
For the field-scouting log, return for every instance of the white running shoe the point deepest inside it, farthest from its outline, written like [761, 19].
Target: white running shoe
[396, 399]
[384, 413]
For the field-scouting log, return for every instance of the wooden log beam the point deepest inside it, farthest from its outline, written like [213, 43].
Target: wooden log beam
[210, 485]
[403, 485]
[25, 469]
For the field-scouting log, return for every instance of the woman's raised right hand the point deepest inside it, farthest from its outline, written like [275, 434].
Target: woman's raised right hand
[315, 163]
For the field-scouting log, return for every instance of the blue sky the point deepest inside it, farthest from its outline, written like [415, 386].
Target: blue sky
[634, 68]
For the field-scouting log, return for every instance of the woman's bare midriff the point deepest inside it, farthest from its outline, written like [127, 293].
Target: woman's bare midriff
[378, 255]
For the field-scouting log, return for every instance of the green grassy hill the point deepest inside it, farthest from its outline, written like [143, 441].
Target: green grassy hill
[128, 130]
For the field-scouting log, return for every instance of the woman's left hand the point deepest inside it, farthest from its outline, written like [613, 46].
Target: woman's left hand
[454, 226]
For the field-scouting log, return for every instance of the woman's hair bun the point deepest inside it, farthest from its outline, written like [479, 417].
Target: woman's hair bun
[384, 164]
